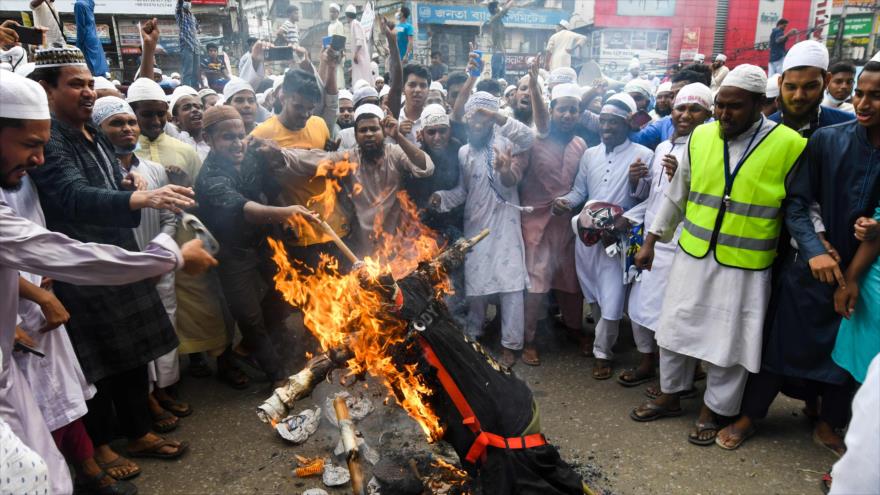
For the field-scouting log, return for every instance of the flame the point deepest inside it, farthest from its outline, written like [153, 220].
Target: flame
[339, 311]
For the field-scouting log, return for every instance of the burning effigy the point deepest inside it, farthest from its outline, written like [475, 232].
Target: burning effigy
[386, 318]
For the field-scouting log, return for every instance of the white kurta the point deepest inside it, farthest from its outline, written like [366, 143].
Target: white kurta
[25, 246]
[57, 381]
[711, 312]
[646, 294]
[496, 264]
[604, 176]
[164, 370]
[360, 49]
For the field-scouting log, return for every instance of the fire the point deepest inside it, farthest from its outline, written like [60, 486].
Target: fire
[338, 310]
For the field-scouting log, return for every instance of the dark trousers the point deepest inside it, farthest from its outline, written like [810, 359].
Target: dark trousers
[257, 308]
[189, 70]
[499, 66]
[762, 388]
[125, 392]
[73, 442]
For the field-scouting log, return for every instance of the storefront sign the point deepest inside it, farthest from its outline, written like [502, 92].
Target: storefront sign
[854, 25]
[466, 15]
[690, 43]
[103, 33]
[169, 35]
[209, 2]
[769, 12]
[133, 7]
[642, 8]
[619, 46]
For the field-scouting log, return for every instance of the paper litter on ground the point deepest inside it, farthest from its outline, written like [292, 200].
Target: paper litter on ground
[298, 428]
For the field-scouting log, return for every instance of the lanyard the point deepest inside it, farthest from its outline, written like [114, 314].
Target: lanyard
[663, 172]
[729, 175]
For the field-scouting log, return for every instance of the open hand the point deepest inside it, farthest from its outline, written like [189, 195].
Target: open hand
[170, 197]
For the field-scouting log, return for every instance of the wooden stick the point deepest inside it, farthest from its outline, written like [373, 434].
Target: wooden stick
[339, 242]
[349, 442]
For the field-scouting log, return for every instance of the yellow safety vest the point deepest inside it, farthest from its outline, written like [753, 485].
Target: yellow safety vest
[737, 215]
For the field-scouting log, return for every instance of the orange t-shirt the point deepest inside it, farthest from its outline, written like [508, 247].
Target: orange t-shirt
[313, 136]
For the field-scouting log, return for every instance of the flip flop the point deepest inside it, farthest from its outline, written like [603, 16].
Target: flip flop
[688, 394]
[530, 357]
[837, 448]
[637, 381]
[742, 438]
[157, 425]
[179, 409]
[120, 462]
[154, 450]
[701, 428]
[657, 412]
[602, 369]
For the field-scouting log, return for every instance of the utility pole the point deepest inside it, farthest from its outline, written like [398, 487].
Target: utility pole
[838, 40]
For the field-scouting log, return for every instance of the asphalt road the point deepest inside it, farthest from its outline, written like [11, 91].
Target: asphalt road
[233, 453]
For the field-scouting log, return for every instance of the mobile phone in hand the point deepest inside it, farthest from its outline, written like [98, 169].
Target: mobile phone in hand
[22, 347]
[279, 53]
[29, 35]
[338, 43]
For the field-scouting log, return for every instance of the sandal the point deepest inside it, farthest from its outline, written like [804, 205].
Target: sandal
[586, 345]
[508, 358]
[838, 448]
[631, 378]
[653, 391]
[232, 375]
[699, 429]
[179, 409]
[738, 437]
[155, 450]
[161, 422]
[654, 411]
[530, 356]
[120, 463]
[92, 484]
[602, 369]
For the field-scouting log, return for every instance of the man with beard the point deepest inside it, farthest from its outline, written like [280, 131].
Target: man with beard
[802, 87]
[729, 189]
[522, 102]
[839, 172]
[548, 239]
[187, 110]
[603, 175]
[663, 98]
[491, 168]
[345, 119]
[373, 184]
[362, 96]
[719, 71]
[840, 86]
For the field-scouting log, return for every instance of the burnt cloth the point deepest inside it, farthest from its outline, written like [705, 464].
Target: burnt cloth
[501, 401]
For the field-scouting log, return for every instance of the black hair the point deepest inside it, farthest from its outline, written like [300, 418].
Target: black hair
[871, 66]
[49, 75]
[291, 9]
[417, 70]
[688, 76]
[436, 54]
[11, 123]
[703, 70]
[365, 116]
[781, 21]
[456, 78]
[405, 13]
[490, 86]
[302, 83]
[842, 67]
[212, 45]
[251, 41]
[351, 15]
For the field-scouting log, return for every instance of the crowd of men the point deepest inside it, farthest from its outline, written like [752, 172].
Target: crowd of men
[731, 218]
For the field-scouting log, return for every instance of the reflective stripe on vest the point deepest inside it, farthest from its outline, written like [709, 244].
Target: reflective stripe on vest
[743, 230]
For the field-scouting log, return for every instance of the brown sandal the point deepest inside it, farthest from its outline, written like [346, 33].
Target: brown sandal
[530, 356]
[118, 464]
[155, 450]
[602, 369]
[738, 437]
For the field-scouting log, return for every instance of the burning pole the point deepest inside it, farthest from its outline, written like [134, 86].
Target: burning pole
[349, 442]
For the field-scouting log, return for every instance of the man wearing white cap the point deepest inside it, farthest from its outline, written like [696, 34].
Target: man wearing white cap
[187, 111]
[359, 47]
[771, 95]
[728, 191]
[692, 107]
[719, 71]
[345, 119]
[241, 96]
[336, 28]
[562, 45]
[662, 101]
[490, 171]
[839, 175]
[148, 102]
[24, 113]
[362, 96]
[549, 242]
[802, 87]
[603, 175]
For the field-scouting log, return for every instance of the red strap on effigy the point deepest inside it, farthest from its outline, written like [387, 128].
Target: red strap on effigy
[483, 440]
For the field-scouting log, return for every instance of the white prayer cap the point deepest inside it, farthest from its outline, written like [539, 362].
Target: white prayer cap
[345, 94]
[623, 99]
[379, 79]
[102, 82]
[748, 77]
[772, 90]
[480, 100]
[351, 9]
[567, 90]
[639, 85]
[108, 106]
[21, 98]
[335, 6]
[434, 115]
[157, 70]
[180, 92]
[205, 92]
[664, 88]
[699, 57]
[721, 57]
[360, 83]
[634, 64]
[369, 109]
[175, 75]
[277, 81]
[697, 93]
[565, 24]
[562, 75]
[876, 57]
[385, 90]
[236, 85]
[116, 82]
[25, 69]
[509, 89]
[436, 86]
[261, 98]
[145, 89]
[807, 53]
[366, 92]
